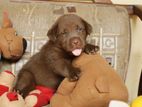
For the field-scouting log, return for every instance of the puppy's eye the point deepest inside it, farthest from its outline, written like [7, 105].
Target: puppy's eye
[65, 32]
[79, 29]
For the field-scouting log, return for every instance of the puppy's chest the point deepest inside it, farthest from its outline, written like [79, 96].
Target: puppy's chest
[69, 57]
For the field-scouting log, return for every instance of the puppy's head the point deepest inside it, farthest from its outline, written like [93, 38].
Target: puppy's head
[70, 32]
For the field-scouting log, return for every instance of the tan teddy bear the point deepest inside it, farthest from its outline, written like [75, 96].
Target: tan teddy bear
[98, 84]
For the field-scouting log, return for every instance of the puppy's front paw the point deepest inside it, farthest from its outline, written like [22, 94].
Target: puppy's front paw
[91, 49]
[74, 75]
[18, 91]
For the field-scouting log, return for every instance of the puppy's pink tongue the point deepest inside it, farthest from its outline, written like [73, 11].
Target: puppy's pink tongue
[77, 52]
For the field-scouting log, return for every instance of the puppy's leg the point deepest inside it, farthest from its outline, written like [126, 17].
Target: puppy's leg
[25, 83]
[64, 68]
[91, 49]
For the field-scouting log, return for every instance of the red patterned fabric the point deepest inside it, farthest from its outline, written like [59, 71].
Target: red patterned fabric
[12, 96]
[9, 72]
[44, 97]
[3, 89]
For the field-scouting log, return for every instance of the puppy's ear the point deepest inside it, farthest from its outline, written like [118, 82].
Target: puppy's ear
[52, 33]
[88, 27]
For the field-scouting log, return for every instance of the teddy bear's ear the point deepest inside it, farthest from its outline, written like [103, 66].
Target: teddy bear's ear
[6, 21]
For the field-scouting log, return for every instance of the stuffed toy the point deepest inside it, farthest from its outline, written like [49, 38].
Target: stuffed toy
[7, 97]
[39, 97]
[98, 84]
[7, 79]
[11, 99]
[12, 47]
[137, 102]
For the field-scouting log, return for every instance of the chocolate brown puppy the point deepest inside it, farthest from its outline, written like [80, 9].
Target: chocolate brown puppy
[67, 40]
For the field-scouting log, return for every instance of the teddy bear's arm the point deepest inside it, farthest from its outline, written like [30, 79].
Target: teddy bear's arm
[102, 85]
[66, 87]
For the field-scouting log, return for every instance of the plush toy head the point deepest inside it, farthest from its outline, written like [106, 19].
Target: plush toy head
[12, 46]
[96, 87]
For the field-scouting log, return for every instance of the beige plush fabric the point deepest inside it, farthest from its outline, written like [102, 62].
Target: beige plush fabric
[98, 84]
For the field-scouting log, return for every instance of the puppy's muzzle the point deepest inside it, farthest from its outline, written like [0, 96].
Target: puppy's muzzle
[76, 42]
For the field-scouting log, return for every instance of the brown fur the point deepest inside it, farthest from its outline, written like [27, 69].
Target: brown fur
[54, 61]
